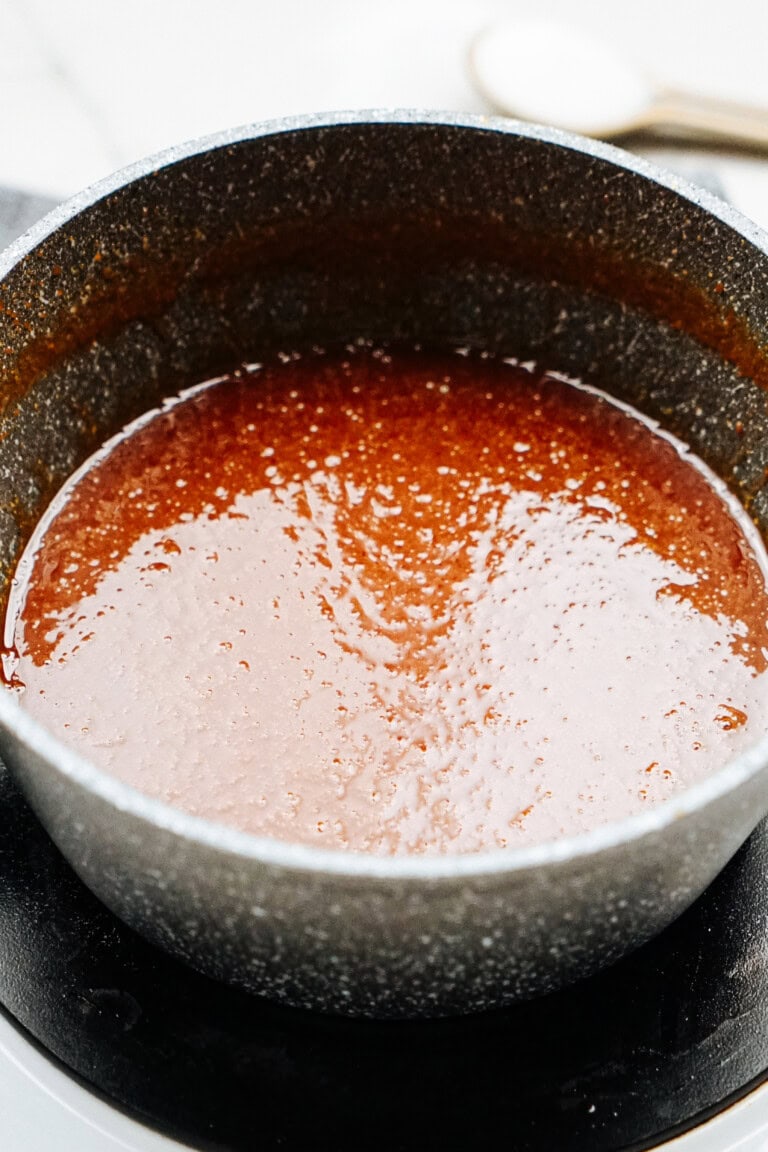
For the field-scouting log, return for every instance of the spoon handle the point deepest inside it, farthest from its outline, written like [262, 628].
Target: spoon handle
[708, 118]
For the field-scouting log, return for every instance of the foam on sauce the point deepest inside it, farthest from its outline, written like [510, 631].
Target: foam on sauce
[396, 603]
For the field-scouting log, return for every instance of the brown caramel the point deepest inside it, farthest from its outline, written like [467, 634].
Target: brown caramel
[396, 603]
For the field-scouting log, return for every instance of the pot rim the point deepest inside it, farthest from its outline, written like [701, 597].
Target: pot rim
[288, 855]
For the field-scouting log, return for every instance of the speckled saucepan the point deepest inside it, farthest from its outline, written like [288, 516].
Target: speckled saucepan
[413, 226]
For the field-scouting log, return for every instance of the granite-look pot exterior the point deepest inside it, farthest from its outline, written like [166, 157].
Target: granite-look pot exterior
[415, 227]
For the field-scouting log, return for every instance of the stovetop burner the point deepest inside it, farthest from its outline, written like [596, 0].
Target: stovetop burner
[649, 1047]
[646, 1048]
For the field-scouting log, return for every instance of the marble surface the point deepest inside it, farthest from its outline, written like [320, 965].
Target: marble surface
[87, 86]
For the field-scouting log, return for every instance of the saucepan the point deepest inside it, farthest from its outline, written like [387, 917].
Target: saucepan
[410, 227]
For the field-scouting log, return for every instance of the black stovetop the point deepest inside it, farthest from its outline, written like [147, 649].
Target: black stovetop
[663, 1037]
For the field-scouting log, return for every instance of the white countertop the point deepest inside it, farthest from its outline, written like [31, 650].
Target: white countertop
[87, 86]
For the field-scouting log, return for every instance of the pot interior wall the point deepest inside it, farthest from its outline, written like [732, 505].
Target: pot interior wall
[390, 232]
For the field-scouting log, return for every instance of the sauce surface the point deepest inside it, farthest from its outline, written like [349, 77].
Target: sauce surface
[395, 603]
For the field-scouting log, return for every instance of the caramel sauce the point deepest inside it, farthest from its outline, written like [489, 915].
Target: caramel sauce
[396, 603]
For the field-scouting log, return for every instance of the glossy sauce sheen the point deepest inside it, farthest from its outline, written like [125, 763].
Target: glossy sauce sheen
[396, 603]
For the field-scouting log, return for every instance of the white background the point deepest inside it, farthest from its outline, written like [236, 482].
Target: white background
[87, 86]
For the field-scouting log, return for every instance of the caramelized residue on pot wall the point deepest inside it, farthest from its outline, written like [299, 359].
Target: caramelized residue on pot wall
[395, 603]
